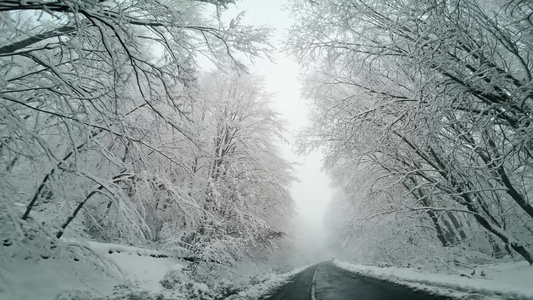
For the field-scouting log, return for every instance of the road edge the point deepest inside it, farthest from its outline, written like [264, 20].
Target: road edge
[313, 284]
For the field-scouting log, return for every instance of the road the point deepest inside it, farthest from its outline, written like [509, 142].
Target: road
[333, 283]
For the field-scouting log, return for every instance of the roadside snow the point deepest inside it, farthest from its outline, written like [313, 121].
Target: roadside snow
[513, 280]
[267, 285]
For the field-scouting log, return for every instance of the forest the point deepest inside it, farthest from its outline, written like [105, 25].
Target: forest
[424, 112]
[139, 124]
[111, 132]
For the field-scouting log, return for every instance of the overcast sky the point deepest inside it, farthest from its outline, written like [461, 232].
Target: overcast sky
[313, 192]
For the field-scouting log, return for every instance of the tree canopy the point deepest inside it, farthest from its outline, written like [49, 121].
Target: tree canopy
[423, 109]
[109, 130]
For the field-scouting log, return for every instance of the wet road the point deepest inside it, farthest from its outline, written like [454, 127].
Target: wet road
[333, 283]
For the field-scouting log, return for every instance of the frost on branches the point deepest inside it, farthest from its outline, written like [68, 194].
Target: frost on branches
[108, 135]
[424, 110]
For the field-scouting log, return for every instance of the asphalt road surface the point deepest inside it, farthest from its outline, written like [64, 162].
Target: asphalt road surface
[325, 281]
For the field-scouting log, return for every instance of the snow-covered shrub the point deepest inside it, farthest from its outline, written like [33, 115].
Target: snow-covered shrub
[75, 295]
[225, 288]
[122, 294]
[181, 282]
[26, 239]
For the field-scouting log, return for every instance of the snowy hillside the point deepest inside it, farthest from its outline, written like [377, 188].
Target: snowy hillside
[115, 271]
[98, 274]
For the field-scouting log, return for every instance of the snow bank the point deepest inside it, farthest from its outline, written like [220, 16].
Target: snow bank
[265, 286]
[143, 267]
[113, 265]
[38, 278]
[513, 280]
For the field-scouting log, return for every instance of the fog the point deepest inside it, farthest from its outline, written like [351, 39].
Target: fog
[313, 191]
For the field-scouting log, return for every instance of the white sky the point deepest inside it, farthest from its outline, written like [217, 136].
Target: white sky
[313, 192]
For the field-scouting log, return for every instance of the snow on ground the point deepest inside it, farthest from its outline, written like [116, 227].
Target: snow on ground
[512, 280]
[37, 278]
[142, 266]
[266, 286]
[107, 271]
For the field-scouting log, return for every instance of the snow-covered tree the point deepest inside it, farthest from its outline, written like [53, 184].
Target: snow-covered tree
[434, 99]
[242, 181]
[97, 117]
